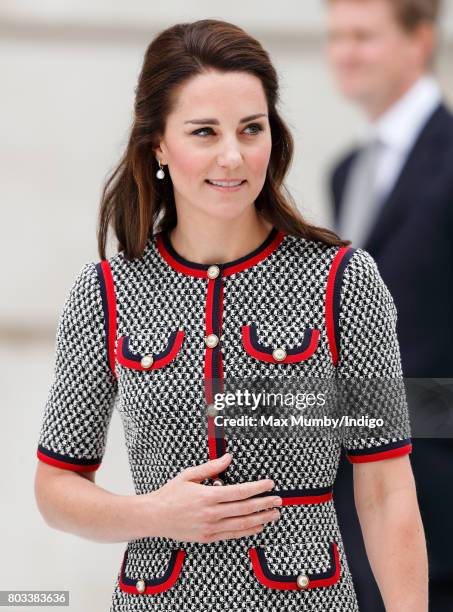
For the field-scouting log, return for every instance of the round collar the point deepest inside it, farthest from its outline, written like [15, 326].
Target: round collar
[176, 261]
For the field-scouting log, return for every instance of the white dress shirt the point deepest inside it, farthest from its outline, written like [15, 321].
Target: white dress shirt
[397, 130]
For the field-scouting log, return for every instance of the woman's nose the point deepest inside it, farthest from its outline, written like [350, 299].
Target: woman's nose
[231, 157]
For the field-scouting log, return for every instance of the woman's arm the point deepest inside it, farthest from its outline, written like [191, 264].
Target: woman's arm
[182, 509]
[387, 507]
[72, 502]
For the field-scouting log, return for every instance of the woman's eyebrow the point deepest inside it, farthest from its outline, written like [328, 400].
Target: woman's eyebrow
[216, 121]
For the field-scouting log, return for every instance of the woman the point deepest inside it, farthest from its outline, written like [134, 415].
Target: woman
[218, 277]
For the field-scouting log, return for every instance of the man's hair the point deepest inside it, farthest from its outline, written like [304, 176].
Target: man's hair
[411, 13]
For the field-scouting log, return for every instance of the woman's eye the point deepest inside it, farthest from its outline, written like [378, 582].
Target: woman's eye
[198, 132]
[257, 128]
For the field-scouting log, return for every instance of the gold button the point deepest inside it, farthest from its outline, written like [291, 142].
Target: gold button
[302, 581]
[217, 482]
[212, 340]
[147, 361]
[279, 354]
[213, 271]
[140, 585]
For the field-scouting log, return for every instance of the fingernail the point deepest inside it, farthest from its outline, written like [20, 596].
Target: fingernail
[278, 501]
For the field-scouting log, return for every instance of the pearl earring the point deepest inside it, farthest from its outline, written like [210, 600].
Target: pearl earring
[160, 173]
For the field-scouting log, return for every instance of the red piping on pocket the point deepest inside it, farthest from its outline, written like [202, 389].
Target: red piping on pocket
[158, 363]
[158, 588]
[295, 358]
[291, 585]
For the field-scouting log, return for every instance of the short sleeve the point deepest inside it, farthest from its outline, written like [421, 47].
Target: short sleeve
[369, 368]
[80, 401]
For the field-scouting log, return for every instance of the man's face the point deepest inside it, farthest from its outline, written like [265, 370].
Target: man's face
[373, 57]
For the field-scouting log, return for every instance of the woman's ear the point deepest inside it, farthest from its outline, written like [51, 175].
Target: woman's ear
[159, 153]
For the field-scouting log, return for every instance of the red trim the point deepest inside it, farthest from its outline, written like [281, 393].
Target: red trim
[273, 584]
[220, 334]
[152, 589]
[208, 375]
[247, 263]
[209, 306]
[330, 325]
[259, 257]
[306, 499]
[333, 579]
[213, 433]
[111, 302]
[158, 363]
[377, 456]
[211, 439]
[292, 585]
[251, 350]
[74, 467]
[208, 356]
[176, 264]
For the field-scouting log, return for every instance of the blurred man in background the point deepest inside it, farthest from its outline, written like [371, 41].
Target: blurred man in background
[393, 196]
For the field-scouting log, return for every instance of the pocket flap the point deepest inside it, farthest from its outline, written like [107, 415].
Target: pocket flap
[295, 567]
[145, 358]
[150, 572]
[279, 353]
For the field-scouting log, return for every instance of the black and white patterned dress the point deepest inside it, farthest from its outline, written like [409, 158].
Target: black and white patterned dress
[157, 337]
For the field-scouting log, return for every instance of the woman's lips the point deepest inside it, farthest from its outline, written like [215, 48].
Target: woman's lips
[219, 188]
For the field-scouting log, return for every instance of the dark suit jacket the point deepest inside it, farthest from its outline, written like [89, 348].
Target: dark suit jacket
[412, 244]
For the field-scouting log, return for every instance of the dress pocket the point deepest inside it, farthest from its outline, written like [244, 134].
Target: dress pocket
[252, 340]
[296, 567]
[143, 357]
[149, 572]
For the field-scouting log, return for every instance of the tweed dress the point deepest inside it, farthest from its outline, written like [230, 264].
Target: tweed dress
[157, 337]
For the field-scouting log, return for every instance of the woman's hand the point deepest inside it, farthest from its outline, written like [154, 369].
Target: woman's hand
[191, 512]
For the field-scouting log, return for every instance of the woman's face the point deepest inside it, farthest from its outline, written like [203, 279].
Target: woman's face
[219, 130]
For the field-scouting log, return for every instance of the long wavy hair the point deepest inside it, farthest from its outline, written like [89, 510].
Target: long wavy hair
[133, 200]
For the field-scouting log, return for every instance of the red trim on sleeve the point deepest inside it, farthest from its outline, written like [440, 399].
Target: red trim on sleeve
[377, 456]
[75, 467]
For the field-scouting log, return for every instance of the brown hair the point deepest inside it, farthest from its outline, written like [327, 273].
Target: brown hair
[133, 200]
[411, 13]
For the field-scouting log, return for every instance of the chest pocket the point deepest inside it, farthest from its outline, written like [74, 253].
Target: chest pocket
[148, 349]
[297, 567]
[279, 346]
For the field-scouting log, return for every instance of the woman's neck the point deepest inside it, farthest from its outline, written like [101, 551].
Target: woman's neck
[219, 241]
